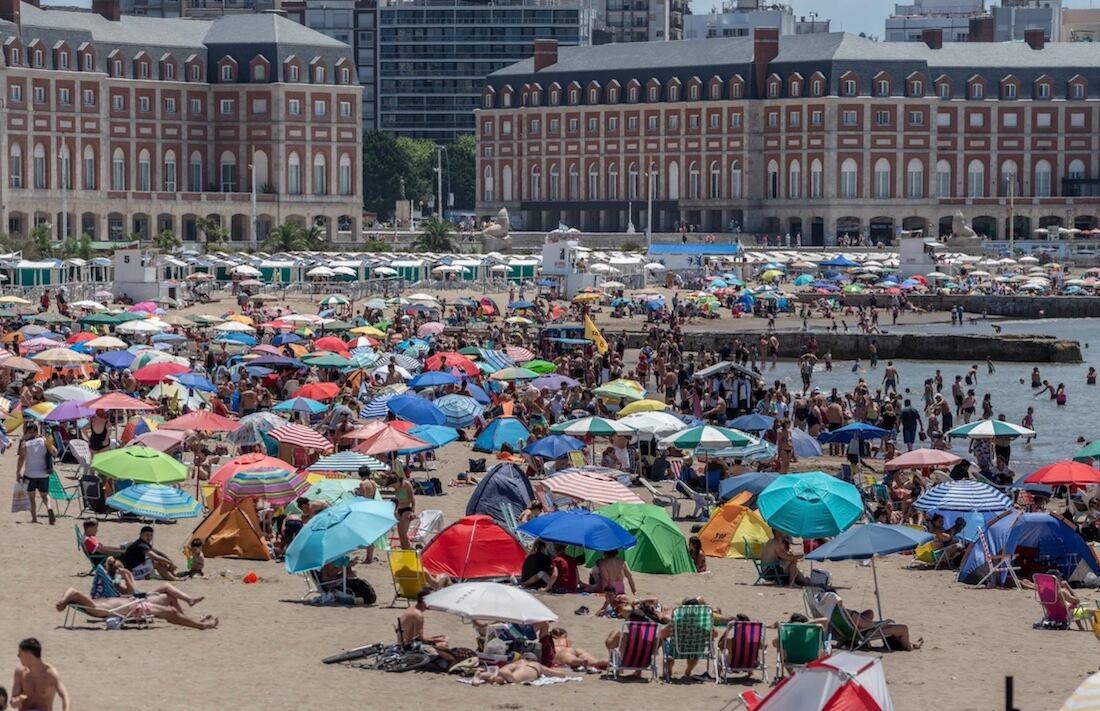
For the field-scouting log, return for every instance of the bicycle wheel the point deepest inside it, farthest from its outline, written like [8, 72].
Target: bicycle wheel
[405, 662]
[352, 654]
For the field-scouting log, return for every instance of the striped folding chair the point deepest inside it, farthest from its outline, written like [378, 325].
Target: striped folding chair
[743, 649]
[637, 650]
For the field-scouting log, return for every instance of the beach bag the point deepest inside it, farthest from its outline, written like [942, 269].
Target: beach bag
[428, 487]
[477, 465]
[20, 499]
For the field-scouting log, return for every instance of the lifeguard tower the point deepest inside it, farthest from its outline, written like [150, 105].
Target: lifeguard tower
[136, 276]
[566, 260]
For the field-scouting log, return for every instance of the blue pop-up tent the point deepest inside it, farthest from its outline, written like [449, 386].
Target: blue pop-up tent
[502, 431]
[504, 484]
[1049, 541]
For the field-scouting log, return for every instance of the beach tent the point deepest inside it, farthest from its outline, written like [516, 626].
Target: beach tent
[725, 534]
[1045, 540]
[844, 681]
[504, 484]
[661, 548]
[474, 548]
[232, 531]
[502, 431]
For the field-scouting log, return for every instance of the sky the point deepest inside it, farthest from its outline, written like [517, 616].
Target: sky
[854, 16]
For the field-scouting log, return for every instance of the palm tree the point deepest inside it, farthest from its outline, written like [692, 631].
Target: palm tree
[167, 241]
[78, 247]
[214, 231]
[436, 236]
[40, 243]
[284, 238]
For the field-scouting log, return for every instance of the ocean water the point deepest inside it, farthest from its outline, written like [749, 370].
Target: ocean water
[1058, 428]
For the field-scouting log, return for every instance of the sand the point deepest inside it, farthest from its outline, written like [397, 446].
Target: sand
[267, 651]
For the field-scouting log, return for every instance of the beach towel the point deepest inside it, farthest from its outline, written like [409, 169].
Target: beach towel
[541, 681]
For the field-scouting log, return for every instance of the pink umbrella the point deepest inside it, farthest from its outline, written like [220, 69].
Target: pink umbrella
[146, 306]
[160, 440]
[923, 459]
[270, 350]
[432, 328]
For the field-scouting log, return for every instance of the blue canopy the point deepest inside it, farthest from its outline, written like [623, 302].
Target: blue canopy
[554, 447]
[195, 381]
[478, 393]
[416, 409]
[579, 528]
[752, 482]
[849, 432]
[503, 485]
[116, 360]
[869, 540]
[752, 422]
[839, 262]
[1051, 542]
[804, 443]
[432, 378]
[235, 337]
[516, 305]
[501, 431]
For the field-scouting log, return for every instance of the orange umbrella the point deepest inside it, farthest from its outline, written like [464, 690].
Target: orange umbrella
[20, 363]
[318, 391]
[389, 439]
[449, 359]
[118, 401]
[244, 463]
[80, 337]
[202, 421]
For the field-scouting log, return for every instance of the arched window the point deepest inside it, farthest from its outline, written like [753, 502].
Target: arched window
[64, 166]
[794, 180]
[882, 178]
[1042, 179]
[673, 181]
[343, 175]
[943, 179]
[194, 173]
[536, 182]
[39, 166]
[15, 166]
[593, 182]
[715, 181]
[506, 183]
[89, 168]
[555, 182]
[612, 182]
[487, 184]
[914, 179]
[320, 176]
[1009, 178]
[773, 179]
[574, 182]
[118, 170]
[293, 174]
[735, 180]
[975, 179]
[693, 182]
[632, 182]
[227, 170]
[169, 171]
[1076, 170]
[145, 170]
[849, 179]
[817, 181]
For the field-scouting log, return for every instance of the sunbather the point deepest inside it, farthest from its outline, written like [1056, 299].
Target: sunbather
[1069, 598]
[897, 635]
[777, 551]
[164, 593]
[519, 672]
[565, 654]
[133, 609]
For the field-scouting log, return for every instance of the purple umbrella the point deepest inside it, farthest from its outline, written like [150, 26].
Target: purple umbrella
[553, 382]
[69, 410]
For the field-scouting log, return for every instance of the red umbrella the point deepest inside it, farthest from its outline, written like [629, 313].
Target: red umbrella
[245, 463]
[449, 359]
[118, 401]
[374, 427]
[1065, 472]
[299, 436]
[158, 372]
[80, 337]
[923, 458]
[331, 343]
[318, 391]
[202, 421]
[268, 349]
[389, 439]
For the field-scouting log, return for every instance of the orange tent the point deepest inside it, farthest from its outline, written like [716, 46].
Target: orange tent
[232, 531]
[731, 526]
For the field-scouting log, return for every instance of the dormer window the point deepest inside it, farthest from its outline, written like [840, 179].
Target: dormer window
[88, 61]
[227, 72]
[15, 56]
[169, 70]
[318, 75]
[143, 70]
[293, 72]
[37, 58]
[345, 75]
[196, 72]
[63, 60]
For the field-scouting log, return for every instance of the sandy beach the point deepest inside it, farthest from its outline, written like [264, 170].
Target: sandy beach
[268, 647]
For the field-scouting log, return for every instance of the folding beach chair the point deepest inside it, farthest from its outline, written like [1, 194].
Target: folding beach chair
[703, 502]
[670, 502]
[82, 453]
[94, 559]
[766, 572]
[424, 527]
[637, 650]
[799, 644]
[998, 564]
[104, 587]
[691, 637]
[1056, 614]
[61, 494]
[743, 649]
[409, 576]
[843, 629]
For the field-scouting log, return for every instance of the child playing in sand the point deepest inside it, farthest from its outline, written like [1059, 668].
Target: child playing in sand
[195, 559]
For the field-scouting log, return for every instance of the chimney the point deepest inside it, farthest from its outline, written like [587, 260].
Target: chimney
[765, 48]
[933, 37]
[36, 3]
[1036, 39]
[108, 8]
[981, 28]
[9, 10]
[546, 53]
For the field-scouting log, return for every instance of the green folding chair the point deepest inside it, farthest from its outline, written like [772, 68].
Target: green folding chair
[60, 494]
[799, 644]
[691, 636]
[766, 572]
[94, 560]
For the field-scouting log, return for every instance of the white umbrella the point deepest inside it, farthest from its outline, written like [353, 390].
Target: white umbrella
[490, 602]
[246, 270]
[144, 326]
[345, 271]
[385, 271]
[300, 318]
[658, 424]
[420, 296]
[88, 305]
[1029, 260]
[655, 267]
[500, 268]
[234, 326]
[613, 285]
[320, 272]
[106, 343]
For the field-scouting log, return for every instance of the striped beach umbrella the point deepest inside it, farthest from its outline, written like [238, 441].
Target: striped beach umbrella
[277, 485]
[299, 436]
[988, 429]
[376, 408]
[461, 410]
[139, 425]
[155, 501]
[708, 437]
[346, 462]
[963, 495]
[253, 428]
[587, 486]
[593, 426]
[1086, 697]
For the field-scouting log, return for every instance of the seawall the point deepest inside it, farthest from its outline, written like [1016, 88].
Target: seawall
[1021, 307]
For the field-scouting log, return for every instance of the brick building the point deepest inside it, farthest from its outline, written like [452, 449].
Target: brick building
[116, 124]
[820, 134]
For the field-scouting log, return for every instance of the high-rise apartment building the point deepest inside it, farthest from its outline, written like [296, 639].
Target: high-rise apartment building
[739, 18]
[964, 20]
[204, 9]
[638, 20]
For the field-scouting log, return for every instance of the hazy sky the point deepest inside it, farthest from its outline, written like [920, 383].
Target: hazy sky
[854, 16]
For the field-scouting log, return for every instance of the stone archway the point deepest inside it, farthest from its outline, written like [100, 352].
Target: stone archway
[914, 224]
[985, 226]
[881, 230]
[945, 225]
[849, 226]
[239, 228]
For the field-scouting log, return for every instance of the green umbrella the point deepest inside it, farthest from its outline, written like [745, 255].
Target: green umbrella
[621, 389]
[205, 319]
[542, 367]
[50, 317]
[338, 326]
[382, 325]
[661, 547]
[988, 429]
[139, 464]
[1090, 452]
[472, 351]
[708, 437]
[326, 360]
[333, 491]
[125, 316]
[594, 426]
[100, 320]
[509, 374]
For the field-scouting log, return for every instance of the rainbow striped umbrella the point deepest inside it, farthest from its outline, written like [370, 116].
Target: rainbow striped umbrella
[275, 485]
[155, 501]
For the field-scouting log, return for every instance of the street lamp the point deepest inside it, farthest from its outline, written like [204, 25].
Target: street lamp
[650, 173]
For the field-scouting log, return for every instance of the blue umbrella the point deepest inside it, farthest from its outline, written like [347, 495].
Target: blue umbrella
[284, 338]
[554, 447]
[810, 505]
[155, 501]
[416, 409]
[752, 482]
[196, 381]
[433, 378]
[168, 338]
[963, 495]
[579, 528]
[461, 410]
[376, 408]
[301, 404]
[849, 432]
[235, 337]
[274, 361]
[521, 305]
[501, 431]
[839, 263]
[116, 360]
[753, 422]
[804, 443]
[435, 435]
[478, 393]
[338, 530]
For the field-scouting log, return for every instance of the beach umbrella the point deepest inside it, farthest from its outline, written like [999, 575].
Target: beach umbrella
[578, 527]
[431, 379]
[963, 495]
[753, 422]
[338, 530]
[752, 482]
[594, 427]
[554, 447]
[301, 404]
[448, 360]
[140, 465]
[325, 359]
[519, 354]
[202, 421]
[61, 357]
[347, 461]
[67, 411]
[276, 362]
[621, 389]
[435, 436]
[923, 458]
[642, 406]
[1086, 697]
[331, 343]
[855, 430]
[299, 436]
[277, 485]
[166, 441]
[708, 437]
[870, 540]
[118, 401]
[655, 424]
[155, 501]
[542, 367]
[810, 505]
[20, 364]
[39, 411]
[389, 439]
[335, 299]
[284, 338]
[244, 463]
[139, 425]
[460, 410]
[804, 444]
[1088, 453]
[513, 374]
[414, 408]
[1064, 473]
[63, 393]
[432, 328]
[195, 381]
[376, 408]
[333, 491]
[500, 432]
[253, 427]
[988, 429]
[156, 372]
[490, 602]
[553, 382]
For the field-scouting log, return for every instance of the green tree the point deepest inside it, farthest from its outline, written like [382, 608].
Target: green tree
[40, 245]
[374, 245]
[461, 171]
[292, 238]
[215, 232]
[418, 156]
[167, 241]
[436, 236]
[80, 247]
[382, 171]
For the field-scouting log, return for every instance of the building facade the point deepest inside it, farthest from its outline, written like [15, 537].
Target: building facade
[739, 18]
[818, 135]
[638, 20]
[116, 125]
[1080, 25]
[194, 8]
[969, 20]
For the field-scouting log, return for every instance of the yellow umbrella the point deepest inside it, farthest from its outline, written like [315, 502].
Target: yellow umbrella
[518, 321]
[580, 298]
[93, 384]
[14, 300]
[368, 331]
[643, 406]
[771, 275]
[42, 409]
[241, 318]
[13, 422]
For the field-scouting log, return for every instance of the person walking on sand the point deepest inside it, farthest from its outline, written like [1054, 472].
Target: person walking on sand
[36, 682]
[32, 468]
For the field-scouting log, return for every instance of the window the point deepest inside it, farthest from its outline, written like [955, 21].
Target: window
[259, 106]
[294, 107]
[345, 109]
[144, 181]
[345, 77]
[916, 118]
[1043, 90]
[143, 70]
[632, 182]
[143, 104]
[882, 118]
[773, 119]
[88, 61]
[944, 91]
[817, 118]
[1076, 119]
[1042, 179]
[673, 181]
[38, 58]
[573, 124]
[796, 88]
[977, 91]
[773, 180]
[816, 87]
[1008, 178]
[693, 121]
[118, 170]
[715, 92]
[169, 105]
[574, 96]
[1009, 120]
[227, 72]
[593, 183]
[225, 107]
[1043, 120]
[506, 127]
[593, 96]
[16, 93]
[39, 95]
[593, 125]
[169, 71]
[293, 175]
[194, 173]
[612, 123]
[632, 94]
[196, 72]
[343, 177]
[977, 120]
[39, 167]
[651, 123]
[486, 128]
[943, 119]
[63, 60]
[574, 182]
[693, 182]
[883, 87]
[848, 118]
[849, 87]
[15, 58]
[914, 179]
[816, 179]
[673, 122]
[555, 182]
[318, 75]
[487, 184]
[196, 106]
[794, 119]
[674, 93]
[535, 126]
[715, 120]
[63, 166]
[882, 179]
[320, 175]
[794, 180]
[536, 181]
[975, 179]
[735, 180]
[118, 102]
[737, 90]
[169, 172]
[15, 166]
[693, 92]
[555, 125]
[916, 88]
[714, 185]
[89, 168]
[632, 123]
[319, 107]
[1078, 91]
[64, 97]
[613, 182]
[943, 179]
[1076, 170]
[849, 186]
[735, 120]
[293, 72]
[1010, 91]
[773, 90]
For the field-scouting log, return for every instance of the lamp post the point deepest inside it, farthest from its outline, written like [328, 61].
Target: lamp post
[649, 205]
[254, 237]
[64, 194]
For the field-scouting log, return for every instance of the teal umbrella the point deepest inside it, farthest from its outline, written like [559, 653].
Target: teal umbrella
[810, 505]
[803, 280]
[155, 501]
[339, 530]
